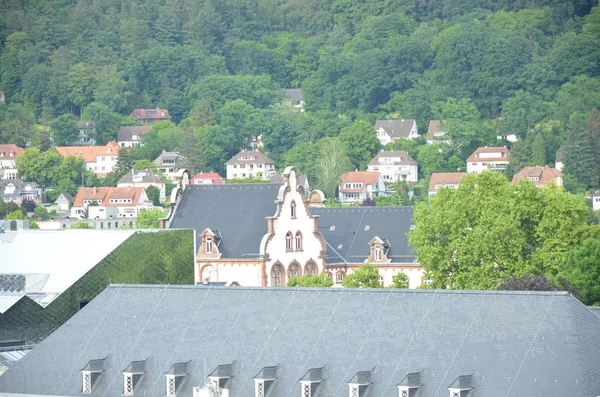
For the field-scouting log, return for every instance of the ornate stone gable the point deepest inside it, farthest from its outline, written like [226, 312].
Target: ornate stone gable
[293, 245]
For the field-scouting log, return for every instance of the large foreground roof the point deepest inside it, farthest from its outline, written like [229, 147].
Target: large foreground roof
[496, 343]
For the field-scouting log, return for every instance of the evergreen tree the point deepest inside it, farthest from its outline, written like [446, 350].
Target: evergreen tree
[581, 153]
[538, 150]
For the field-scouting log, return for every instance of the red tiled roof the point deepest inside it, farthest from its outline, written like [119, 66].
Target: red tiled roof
[543, 174]
[216, 178]
[483, 151]
[150, 114]
[104, 194]
[10, 148]
[89, 153]
[364, 177]
[444, 178]
[434, 126]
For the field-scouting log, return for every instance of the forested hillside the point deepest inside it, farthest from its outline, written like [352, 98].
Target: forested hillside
[220, 66]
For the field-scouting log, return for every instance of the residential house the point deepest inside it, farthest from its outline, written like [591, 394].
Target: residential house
[207, 178]
[49, 275]
[263, 234]
[143, 179]
[110, 202]
[395, 166]
[170, 163]
[293, 97]
[86, 133]
[444, 179]
[358, 186]
[169, 340]
[392, 130]
[17, 190]
[150, 115]
[63, 203]
[596, 200]
[488, 159]
[9, 153]
[436, 133]
[250, 164]
[99, 159]
[559, 160]
[510, 137]
[131, 136]
[540, 175]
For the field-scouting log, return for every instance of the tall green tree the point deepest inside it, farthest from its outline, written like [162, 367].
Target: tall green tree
[582, 150]
[64, 130]
[538, 150]
[80, 85]
[333, 160]
[366, 276]
[361, 143]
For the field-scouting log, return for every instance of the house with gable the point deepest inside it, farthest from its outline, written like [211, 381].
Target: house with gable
[101, 160]
[357, 186]
[392, 130]
[263, 234]
[293, 97]
[560, 158]
[86, 133]
[596, 200]
[395, 166]
[250, 164]
[170, 164]
[540, 175]
[110, 202]
[488, 159]
[131, 136]
[17, 190]
[9, 153]
[150, 115]
[436, 133]
[63, 203]
[444, 179]
[143, 179]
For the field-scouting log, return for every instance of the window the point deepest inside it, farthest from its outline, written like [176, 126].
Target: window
[209, 244]
[87, 383]
[306, 392]
[298, 241]
[293, 209]
[259, 388]
[127, 384]
[339, 277]
[454, 393]
[288, 241]
[377, 253]
[277, 275]
[310, 269]
[354, 391]
[381, 280]
[294, 270]
[171, 389]
[404, 392]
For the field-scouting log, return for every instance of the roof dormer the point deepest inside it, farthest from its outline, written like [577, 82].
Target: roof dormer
[91, 374]
[360, 382]
[219, 378]
[379, 249]
[132, 376]
[209, 244]
[175, 377]
[264, 380]
[311, 381]
[410, 384]
[463, 385]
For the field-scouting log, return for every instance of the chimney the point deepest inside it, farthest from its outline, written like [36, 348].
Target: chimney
[94, 190]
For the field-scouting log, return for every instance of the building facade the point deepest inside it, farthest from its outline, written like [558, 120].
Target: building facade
[395, 166]
[540, 175]
[170, 163]
[444, 179]
[131, 136]
[358, 186]
[391, 130]
[250, 164]
[488, 159]
[9, 154]
[143, 179]
[110, 202]
[101, 160]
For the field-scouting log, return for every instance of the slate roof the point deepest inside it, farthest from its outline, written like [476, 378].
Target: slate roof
[400, 157]
[250, 157]
[396, 128]
[519, 343]
[148, 176]
[347, 232]
[236, 212]
[126, 133]
[293, 94]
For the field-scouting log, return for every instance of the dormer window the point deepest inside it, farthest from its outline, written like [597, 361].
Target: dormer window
[209, 244]
[293, 209]
[311, 381]
[288, 241]
[298, 241]
[264, 379]
[175, 377]
[462, 385]
[91, 373]
[132, 376]
[377, 253]
[357, 386]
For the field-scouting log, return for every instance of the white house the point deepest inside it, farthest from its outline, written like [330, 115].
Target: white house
[250, 164]
[144, 179]
[293, 97]
[510, 137]
[169, 163]
[444, 179]
[99, 159]
[436, 133]
[131, 136]
[9, 154]
[395, 166]
[110, 202]
[360, 185]
[488, 159]
[392, 130]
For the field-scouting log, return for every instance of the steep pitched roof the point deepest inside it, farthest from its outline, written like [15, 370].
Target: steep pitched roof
[89, 153]
[85, 124]
[250, 157]
[540, 175]
[444, 178]
[293, 94]
[483, 154]
[8, 148]
[214, 177]
[396, 128]
[18, 183]
[105, 194]
[520, 343]
[364, 177]
[150, 114]
[126, 133]
[400, 158]
[145, 176]
[177, 157]
[435, 127]
[347, 232]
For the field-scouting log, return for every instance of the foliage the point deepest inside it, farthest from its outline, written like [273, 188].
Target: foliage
[317, 280]
[582, 151]
[16, 215]
[7, 208]
[361, 143]
[81, 225]
[64, 131]
[246, 180]
[149, 219]
[333, 160]
[489, 230]
[366, 276]
[582, 272]
[124, 163]
[399, 280]
[527, 283]
[28, 205]
[42, 213]
[153, 194]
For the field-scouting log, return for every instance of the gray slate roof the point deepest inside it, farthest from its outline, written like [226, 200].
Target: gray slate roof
[294, 94]
[396, 128]
[250, 157]
[148, 176]
[126, 132]
[400, 158]
[354, 227]
[515, 343]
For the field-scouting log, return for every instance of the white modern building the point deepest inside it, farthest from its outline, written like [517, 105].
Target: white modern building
[395, 166]
[250, 164]
[488, 159]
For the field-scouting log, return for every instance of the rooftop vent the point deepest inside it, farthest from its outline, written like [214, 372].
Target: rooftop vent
[331, 228]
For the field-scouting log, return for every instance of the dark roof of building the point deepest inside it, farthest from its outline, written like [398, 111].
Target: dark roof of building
[516, 343]
[141, 176]
[293, 94]
[236, 213]
[66, 196]
[396, 128]
[348, 231]
[250, 157]
[18, 183]
[400, 158]
[126, 133]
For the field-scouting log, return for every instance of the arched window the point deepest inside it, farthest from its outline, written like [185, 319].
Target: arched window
[288, 241]
[294, 270]
[293, 209]
[277, 275]
[298, 240]
[339, 277]
[209, 244]
[377, 253]
[310, 269]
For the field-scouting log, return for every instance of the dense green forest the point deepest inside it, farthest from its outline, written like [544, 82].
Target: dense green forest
[220, 66]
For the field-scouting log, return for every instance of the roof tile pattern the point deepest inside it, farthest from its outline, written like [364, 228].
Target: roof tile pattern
[518, 344]
[396, 128]
[89, 153]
